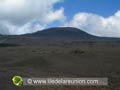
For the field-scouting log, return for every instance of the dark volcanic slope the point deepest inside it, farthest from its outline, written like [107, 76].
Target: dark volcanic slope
[62, 33]
[55, 34]
[67, 33]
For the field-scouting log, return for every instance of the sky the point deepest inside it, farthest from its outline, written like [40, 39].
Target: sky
[97, 17]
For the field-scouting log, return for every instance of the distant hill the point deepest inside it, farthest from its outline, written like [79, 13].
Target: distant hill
[54, 34]
[66, 33]
[62, 33]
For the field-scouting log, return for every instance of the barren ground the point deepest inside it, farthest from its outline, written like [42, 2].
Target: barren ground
[96, 59]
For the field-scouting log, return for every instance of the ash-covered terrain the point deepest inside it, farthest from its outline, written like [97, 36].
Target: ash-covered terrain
[59, 52]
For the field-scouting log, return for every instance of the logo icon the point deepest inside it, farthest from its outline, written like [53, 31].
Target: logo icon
[17, 80]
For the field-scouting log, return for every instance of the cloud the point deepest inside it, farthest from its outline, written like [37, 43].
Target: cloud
[27, 16]
[97, 25]
[53, 16]
[17, 16]
[7, 28]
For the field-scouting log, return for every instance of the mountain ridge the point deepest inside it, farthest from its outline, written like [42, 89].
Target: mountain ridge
[67, 33]
[61, 33]
[57, 34]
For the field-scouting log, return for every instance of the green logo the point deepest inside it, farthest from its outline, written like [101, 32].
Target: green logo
[17, 80]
